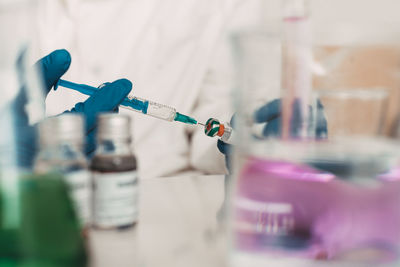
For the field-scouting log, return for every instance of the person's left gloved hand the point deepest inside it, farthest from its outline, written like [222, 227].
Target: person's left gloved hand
[52, 67]
[270, 114]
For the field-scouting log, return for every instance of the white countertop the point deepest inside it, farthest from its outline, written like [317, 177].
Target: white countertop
[177, 226]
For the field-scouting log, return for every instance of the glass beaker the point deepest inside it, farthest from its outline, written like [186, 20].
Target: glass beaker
[304, 199]
[319, 203]
[19, 89]
[37, 224]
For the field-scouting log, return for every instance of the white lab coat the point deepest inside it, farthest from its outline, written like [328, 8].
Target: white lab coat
[174, 51]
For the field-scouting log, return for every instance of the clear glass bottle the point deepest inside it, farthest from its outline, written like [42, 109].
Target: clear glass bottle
[214, 127]
[61, 141]
[114, 169]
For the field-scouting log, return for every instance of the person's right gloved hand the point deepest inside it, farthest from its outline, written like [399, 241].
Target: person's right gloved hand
[270, 114]
[106, 99]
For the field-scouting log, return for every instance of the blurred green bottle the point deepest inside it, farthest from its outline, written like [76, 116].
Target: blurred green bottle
[38, 226]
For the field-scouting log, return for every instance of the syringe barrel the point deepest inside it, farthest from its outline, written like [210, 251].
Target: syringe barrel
[131, 102]
[135, 105]
[151, 108]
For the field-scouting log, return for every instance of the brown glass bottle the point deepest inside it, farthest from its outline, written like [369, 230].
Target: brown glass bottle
[114, 171]
[110, 163]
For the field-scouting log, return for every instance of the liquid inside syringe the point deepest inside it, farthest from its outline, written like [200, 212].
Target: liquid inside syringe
[137, 104]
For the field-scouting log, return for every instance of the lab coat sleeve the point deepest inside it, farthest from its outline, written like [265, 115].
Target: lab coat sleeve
[216, 95]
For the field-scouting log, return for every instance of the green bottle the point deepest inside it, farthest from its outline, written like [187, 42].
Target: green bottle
[46, 231]
[50, 232]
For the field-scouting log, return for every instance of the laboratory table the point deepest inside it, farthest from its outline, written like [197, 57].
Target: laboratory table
[178, 226]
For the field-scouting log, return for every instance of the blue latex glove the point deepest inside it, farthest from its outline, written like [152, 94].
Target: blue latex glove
[106, 99]
[271, 114]
[53, 66]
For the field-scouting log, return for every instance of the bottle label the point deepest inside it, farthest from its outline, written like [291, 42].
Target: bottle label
[79, 186]
[115, 198]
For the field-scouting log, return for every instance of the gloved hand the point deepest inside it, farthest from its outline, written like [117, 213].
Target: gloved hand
[271, 115]
[53, 66]
[106, 99]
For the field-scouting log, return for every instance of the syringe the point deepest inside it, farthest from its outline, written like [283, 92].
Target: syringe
[137, 104]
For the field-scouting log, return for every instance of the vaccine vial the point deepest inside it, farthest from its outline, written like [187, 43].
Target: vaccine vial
[61, 141]
[114, 171]
[224, 131]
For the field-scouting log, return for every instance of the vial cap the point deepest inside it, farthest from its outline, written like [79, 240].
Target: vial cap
[63, 128]
[114, 126]
[212, 127]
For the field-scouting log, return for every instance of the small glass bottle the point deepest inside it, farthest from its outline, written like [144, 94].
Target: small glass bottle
[214, 127]
[114, 170]
[61, 142]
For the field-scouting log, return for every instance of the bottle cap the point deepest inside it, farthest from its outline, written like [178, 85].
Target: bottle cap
[213, 128]
[114, 126]
[63, 128]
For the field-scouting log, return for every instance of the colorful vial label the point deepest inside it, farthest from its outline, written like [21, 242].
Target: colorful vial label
[212, 127]
[79, 185]
[115, 199]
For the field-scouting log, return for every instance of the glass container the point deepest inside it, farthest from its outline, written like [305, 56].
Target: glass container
[299, 197]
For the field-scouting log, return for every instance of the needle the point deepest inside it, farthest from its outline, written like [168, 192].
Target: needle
[201, 124]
